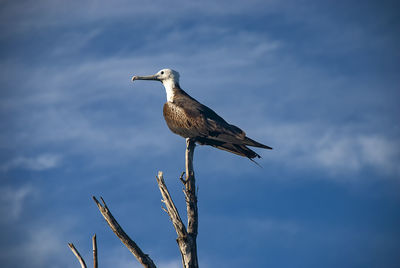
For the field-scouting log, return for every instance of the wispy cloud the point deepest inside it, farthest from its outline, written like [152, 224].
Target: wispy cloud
[12, 201]
[316, 81]
[49, 14]
[334, 149]
[64, 101]
[37, 163]
[40, 246]
[355, 151]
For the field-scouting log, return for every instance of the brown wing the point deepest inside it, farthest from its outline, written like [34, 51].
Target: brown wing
[221, 130]
[182, 122]
[196, 118]
[191, 119]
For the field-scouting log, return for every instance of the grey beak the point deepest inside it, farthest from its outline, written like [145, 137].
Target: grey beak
[148, 77]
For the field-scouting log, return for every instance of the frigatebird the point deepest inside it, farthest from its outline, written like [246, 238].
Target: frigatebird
[189, 118]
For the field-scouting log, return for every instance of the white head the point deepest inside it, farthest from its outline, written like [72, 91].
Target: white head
[162, 75]
[168, 74]
[168, 77]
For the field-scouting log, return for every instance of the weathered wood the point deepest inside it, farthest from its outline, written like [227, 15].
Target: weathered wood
[190, 189]
[171, 209]
[143, 258]
[78, 256]
[191, 203]
[94, 242]
[176, 220]
[186, 236]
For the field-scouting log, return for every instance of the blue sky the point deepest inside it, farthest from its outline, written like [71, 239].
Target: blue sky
[316, 80]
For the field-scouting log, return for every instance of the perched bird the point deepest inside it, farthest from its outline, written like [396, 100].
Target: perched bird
[189, 118]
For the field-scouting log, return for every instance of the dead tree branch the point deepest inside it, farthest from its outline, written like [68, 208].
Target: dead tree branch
[78, 256]
[190, 191]
[143, 258]
[186, 236]
[94, 242]
[170, 207]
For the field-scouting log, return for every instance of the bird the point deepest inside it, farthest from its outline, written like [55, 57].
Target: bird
[187, 117]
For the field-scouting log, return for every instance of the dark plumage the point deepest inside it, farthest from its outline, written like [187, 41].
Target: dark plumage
[189, 118]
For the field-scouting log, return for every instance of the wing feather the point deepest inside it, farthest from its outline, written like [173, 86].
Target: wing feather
[241, 150]
[188, 118]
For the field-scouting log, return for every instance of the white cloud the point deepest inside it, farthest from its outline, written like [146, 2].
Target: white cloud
[37, 163]
[58, 96]
[43, 243]
[336, 153]
[333, 148]
[42, 247]
[12, 201]
[28, 16]
[73, 42]
[336, 150]
[356, 151]
[381, 152]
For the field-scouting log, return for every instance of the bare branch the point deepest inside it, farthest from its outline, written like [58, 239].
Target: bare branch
[78, 256]
[143, 258]
[186, 236]
[191, 204]
[171, 208]
[94, 242]
[190, 190]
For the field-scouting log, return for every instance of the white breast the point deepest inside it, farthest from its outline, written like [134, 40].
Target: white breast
[169, 89]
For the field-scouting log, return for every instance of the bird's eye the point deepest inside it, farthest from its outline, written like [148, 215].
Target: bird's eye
[162, 72]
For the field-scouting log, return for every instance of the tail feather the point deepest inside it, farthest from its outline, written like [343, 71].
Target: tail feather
[238, 149]
[251, 142]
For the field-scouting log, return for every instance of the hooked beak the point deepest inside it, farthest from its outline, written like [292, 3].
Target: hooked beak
[148, 77]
